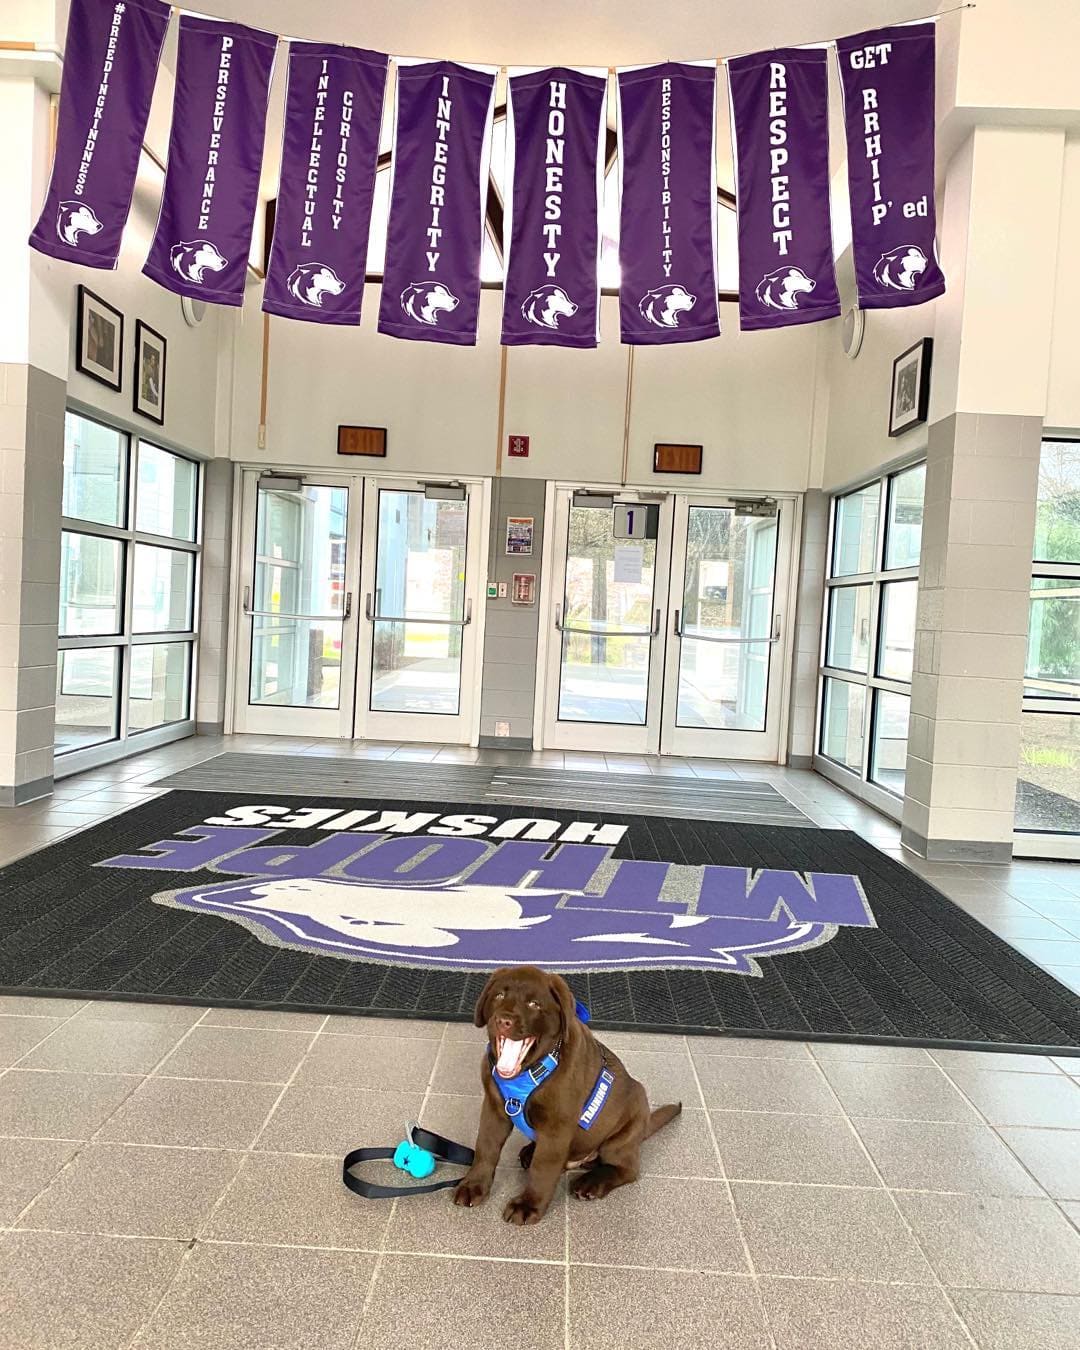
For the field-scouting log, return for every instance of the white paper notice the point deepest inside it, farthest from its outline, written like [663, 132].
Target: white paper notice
[628, 562]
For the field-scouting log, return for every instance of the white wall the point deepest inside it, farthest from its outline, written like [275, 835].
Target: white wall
[1063, 397]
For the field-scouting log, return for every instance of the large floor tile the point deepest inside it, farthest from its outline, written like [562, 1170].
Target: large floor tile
[460, 1064]
[428, 1304]
[59, 1105]
[668, 1076]
[278, 1198]
[433, 1224]
[924, 1155]
[990, 1242]
[255, 1298]
[745, 1047]
[1052, 1157]
[265, 1019]
[105, 1047]
[765, 1147]
[410, 1029]
[207, 1115]
[683, 1148]
[614, 1309]
[686, 1225]
[26, 1168]
[27, 1005]
[993, 1059]
[19, 1036]
[829, 1052]
[182, 1015]
[828, 1315]
[331, 1120]
[60, 1291]
[384, 1063]
[827, 1231]
[1013, 1099]
[897, 1091]
[131, 1191]
[733, 1084]
[1020, 1321]
[237, 1054]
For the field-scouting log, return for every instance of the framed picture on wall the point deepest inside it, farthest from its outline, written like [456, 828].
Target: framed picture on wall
[99, 340]
[910, 387]
[149, 396]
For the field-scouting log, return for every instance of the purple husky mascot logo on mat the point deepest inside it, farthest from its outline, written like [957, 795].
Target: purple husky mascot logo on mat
[527, 894]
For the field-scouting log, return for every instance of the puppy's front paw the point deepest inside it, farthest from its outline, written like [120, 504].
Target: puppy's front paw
[471, 1193]
[523, 1210]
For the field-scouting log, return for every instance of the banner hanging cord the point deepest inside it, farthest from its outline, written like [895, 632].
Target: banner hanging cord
[821, 42]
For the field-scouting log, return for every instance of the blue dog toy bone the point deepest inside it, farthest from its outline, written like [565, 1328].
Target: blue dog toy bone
[418, 1162]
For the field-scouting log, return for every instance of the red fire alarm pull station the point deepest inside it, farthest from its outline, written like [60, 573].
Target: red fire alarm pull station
[518, 447]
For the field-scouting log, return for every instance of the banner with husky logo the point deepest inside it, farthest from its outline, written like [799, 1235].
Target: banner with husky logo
[211, 187]
[780, 124]
[888, 81]
[329, 153]
[110, 65]
[438, 197]
[555, 136]
[667, 233]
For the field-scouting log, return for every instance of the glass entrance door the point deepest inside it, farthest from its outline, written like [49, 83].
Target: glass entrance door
[672, 644]
[298, 653]
[418, 666]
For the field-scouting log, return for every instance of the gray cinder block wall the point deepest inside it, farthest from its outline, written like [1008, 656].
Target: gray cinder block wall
[508, 684]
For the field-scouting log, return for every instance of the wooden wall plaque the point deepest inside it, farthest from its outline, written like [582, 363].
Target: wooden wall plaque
[676, 458]
[362, 441]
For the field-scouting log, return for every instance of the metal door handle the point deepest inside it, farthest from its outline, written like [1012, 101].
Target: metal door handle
[678, 623]
[777, 622]
[247, 600]
[468, 613]
[558, 618]
[656, 623]
[367, 608]
[346, 612]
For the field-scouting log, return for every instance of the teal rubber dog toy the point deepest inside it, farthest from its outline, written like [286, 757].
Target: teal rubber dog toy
[418, 1162]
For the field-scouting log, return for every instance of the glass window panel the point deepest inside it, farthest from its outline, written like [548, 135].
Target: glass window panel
[604, 679]
[888, 753]
[95, 471]
[723, 684]
[1053, 659]
[163, 590]
[896, 650]
[420, 564]
[1048, 786]
[158, 687]
[300, 551]
[903, 529]
[91, 585]
[1057, 521]
[855, 533]
[848, 646]
[295, 663]
[843, 724]
[87, 697]
[416, 668]
[165, 493]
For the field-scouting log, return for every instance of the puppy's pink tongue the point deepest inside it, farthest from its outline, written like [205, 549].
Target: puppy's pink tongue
[511, 1053]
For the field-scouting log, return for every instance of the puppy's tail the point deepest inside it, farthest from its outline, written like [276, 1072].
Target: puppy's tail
[661, 1117]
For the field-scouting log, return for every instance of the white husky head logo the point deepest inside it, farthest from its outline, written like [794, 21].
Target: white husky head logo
[311, 281]
[546, 306]
[900, 268]
[424, 301]
[781, 288]
[663, 305]
[75, 218]
[191, 260]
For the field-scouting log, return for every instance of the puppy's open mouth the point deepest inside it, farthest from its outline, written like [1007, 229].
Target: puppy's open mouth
[511, 1055]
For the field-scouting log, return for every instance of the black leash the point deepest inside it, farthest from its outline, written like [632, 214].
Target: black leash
[446, 1149]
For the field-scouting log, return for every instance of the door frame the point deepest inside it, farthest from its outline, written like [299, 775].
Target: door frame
[357, 480]
[550, 594]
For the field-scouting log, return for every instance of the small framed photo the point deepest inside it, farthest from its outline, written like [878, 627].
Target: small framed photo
[149, 373]
[99, 340]
[910, 387]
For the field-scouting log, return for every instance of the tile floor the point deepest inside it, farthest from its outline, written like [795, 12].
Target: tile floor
[169, 1177]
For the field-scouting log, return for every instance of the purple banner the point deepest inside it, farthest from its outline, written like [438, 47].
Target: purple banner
[329, 154]
[888, 81]
[431, 277]
[555, 132]
[780, 116]
[667, 235]
[110, 64]
[211, 187]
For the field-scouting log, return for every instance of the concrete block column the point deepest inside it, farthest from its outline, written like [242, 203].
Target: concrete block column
[31, 489]
[808, 611]
[214, 595]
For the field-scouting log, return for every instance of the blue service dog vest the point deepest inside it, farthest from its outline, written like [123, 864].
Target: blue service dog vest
[516, 1092]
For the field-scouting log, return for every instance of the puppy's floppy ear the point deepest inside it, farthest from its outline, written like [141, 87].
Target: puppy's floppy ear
[480, 1013]
[564, 996]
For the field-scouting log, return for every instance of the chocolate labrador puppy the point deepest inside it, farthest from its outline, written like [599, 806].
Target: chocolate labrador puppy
[566, 1091]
